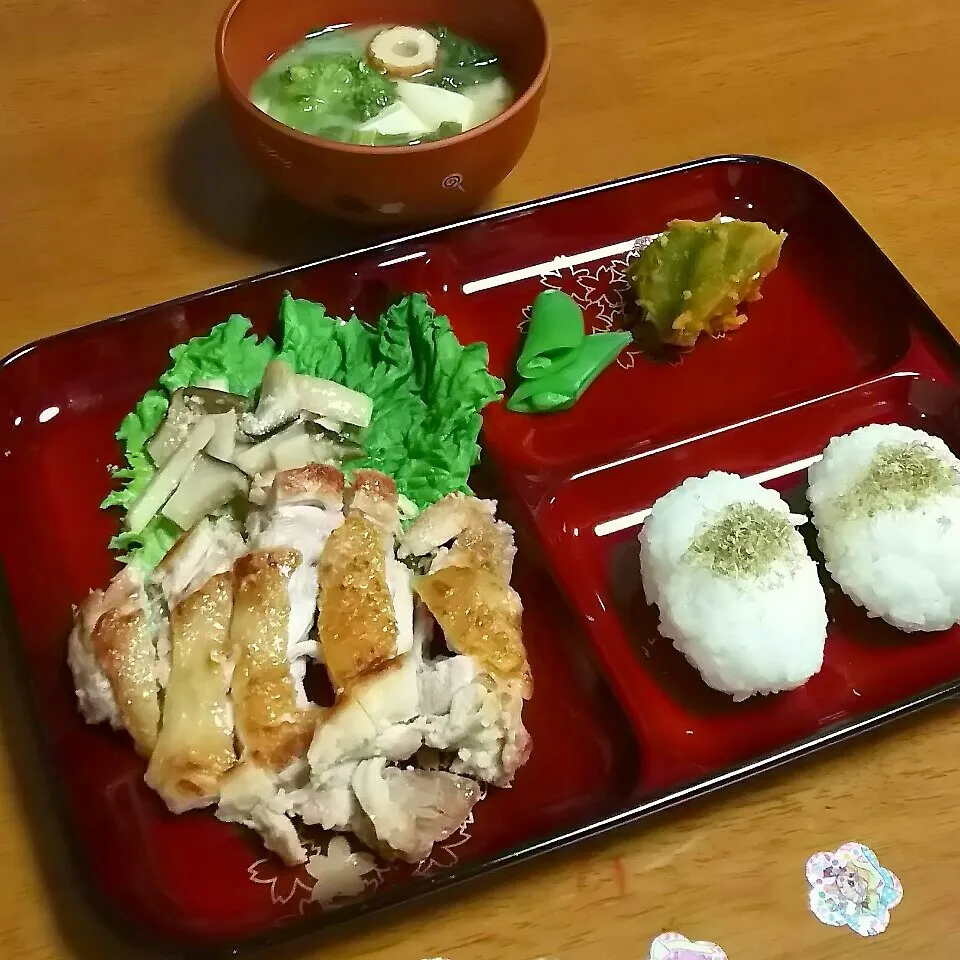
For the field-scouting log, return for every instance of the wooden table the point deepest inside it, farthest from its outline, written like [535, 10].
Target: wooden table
[119, 187]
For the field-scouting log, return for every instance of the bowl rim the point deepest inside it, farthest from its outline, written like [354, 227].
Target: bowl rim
[227, 81]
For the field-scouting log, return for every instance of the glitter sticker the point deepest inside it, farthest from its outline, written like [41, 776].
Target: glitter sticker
[675, 946]
[849, 887]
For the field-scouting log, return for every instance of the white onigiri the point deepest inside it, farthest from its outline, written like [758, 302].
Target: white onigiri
[886, 503]
[738, 594]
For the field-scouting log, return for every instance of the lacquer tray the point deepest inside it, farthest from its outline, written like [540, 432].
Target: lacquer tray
[621, 725]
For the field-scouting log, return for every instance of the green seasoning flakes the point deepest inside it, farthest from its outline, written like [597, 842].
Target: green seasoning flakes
[744, 541]
[902, 476]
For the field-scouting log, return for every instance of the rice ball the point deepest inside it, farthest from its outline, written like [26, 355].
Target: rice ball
[886, 504]
[737, 592]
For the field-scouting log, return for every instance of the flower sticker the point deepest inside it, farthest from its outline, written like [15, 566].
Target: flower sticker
[675, 946]
[849, 887]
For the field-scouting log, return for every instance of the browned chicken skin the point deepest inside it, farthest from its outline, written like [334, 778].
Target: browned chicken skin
[316, 484]
[273, 730]
[374, 494]
[195, 746]
[113, 627]
[236, 728]
[471, 598]
[357, 625]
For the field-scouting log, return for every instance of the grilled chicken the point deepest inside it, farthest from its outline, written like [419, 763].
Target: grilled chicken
[276, 591]
[207, 549]
[408, 811]
[273, 730]
[305, 507]
[220, 634]
[365, 717]
[374, 494]
[358, 625]
[113, 656]
[251, 796]
[441, 522]
[468, 592]
[366, 630]
[195, 747]
[314, 485]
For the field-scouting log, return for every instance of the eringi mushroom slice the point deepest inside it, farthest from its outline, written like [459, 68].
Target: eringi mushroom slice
[187, 406]
[259, 457]
[223, 443]
[206, 487]
[166, 480]
[278, 404]
[329, 399]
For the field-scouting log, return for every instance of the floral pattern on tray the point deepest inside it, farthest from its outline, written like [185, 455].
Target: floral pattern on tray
[600, 290]
[299, 886]
[848, 887]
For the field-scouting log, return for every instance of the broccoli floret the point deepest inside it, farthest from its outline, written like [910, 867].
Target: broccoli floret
[334, 84]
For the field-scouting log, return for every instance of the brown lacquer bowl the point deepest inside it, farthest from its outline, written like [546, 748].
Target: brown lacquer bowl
[421, 184]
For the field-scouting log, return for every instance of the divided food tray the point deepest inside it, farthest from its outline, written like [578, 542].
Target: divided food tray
[622, 726]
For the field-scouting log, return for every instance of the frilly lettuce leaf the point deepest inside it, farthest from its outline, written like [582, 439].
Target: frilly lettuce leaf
[229, 352]
[427, 390]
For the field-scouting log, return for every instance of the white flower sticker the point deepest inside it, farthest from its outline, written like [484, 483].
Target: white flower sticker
[675, 946]
[848, 887]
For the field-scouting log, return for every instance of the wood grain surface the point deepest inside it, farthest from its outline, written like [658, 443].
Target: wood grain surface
[120, 186]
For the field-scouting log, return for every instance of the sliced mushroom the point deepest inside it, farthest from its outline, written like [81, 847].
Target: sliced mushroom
[334, 445]
[258, 457]
[296, 451]
[328, 399]
[278, 405]
[216, 401]
[403, 51]
[171, 433]
[224, 441]
[215, 383]
[205, 487]
[166, 480]
[327, 423]
[187, 406]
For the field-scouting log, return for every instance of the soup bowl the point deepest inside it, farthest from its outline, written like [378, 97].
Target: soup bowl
[420, 184]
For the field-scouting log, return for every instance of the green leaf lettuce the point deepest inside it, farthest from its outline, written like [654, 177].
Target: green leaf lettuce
[228, 352]
[427, 389]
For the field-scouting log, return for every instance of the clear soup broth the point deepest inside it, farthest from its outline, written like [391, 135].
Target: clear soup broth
[383, 85]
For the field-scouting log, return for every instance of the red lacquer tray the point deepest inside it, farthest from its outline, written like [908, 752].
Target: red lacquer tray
[621, 726]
